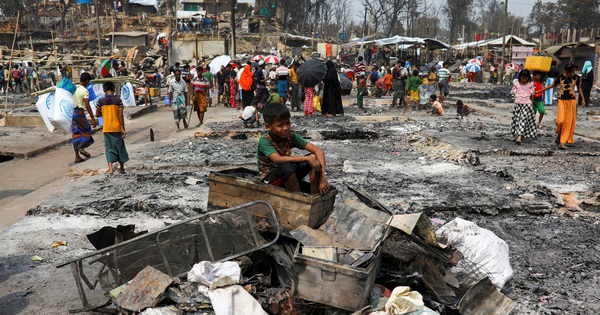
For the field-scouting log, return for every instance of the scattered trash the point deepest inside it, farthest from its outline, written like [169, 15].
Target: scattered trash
[59, 243]
[37, 258]
[220, 235]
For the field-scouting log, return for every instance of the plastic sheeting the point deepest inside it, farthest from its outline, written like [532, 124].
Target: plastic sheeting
[153, 3]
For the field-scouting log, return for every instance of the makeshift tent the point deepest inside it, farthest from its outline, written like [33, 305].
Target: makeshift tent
[433, 44]
[511, 40]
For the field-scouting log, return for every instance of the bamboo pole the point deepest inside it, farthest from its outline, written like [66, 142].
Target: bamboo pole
[10, 60]
[45, 91]
[37, 83]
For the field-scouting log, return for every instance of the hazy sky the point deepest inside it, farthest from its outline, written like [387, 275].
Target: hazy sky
[517, 7]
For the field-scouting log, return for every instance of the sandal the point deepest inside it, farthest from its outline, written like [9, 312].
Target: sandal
[562, 147]
[85, 153]
[79, 161]
[121, 172]
[107, 174]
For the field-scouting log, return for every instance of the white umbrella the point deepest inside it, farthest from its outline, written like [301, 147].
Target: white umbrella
[216, 64]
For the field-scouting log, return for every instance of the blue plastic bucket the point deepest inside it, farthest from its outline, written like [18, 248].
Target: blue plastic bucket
[167, 100]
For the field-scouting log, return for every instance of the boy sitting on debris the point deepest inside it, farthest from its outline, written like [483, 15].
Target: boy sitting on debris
[275, 161]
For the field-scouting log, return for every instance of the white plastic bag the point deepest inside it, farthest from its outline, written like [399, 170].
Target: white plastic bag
[127, 95]
[61, 113]
[215, 275]
[483, 253]
[44, 105]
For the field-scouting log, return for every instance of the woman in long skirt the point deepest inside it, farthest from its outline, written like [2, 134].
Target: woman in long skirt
[567, 105]
[523, 121]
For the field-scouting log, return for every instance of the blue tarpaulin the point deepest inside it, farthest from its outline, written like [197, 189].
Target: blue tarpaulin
[85, 1]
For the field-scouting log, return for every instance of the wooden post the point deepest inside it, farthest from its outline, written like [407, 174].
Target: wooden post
[10, 60]
[98, 28]
[37, 82]
[112, 45]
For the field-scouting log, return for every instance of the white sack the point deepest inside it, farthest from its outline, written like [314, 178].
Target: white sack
[61, 112]
[127, 95]
[483, 253]
[44, 105]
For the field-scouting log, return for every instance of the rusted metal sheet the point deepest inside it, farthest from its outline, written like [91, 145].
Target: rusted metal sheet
[145, 290]
[485, 299]
[350, 225]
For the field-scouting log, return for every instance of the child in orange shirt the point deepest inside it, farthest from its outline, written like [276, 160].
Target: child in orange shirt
[388, 82]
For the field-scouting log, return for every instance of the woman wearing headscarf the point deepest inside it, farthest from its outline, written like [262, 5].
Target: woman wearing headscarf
[246, 80]
[587, 81]
[332, 92]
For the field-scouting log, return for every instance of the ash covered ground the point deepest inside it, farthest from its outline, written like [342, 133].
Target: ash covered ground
[543, 202]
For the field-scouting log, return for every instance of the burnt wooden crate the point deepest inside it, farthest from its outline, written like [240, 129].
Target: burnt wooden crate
[233, 187]
[332, 283]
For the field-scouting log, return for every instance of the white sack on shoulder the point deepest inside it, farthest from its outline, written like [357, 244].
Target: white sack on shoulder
[61, 113]
[44, 107]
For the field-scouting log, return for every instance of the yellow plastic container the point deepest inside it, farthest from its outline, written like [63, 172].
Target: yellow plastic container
[538, 63]
[153, 92]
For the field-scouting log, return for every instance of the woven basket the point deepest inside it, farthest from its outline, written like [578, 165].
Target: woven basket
[538, 63]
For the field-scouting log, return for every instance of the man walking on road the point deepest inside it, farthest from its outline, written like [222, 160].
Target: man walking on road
[178, 94]
[80, 127]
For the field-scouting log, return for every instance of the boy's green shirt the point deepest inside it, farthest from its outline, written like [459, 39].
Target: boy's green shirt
[413, 83]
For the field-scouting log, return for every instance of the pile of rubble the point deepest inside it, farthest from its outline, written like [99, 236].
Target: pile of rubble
[296, 254]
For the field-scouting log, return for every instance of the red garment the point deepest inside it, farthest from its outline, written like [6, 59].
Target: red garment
[538, 87]
[350, 75]
[246, 78]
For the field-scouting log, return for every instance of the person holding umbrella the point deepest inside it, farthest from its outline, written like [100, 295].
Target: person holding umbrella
[310, 74]
[332, 92]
